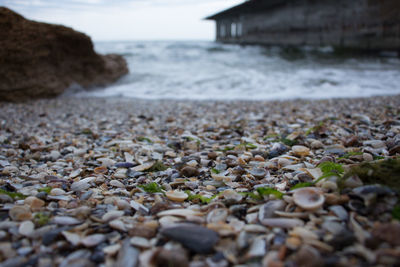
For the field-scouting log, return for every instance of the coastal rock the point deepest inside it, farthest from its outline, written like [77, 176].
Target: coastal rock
[40, 60]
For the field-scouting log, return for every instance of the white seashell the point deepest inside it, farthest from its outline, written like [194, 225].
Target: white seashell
[82, 184]
[118, 225]
[221, 177]
[139, 207]
[166, 221]
[231, 195]
[140, 242]
[303, 233]
[93, 240]
[179, 212]
[117, 183]
[111, 250]
[26, 228]
[282, 222]
[308, 198]
[257, 248]
[143, 167]
[73, 238]
[255, 228]
[106, 162]
[176, 195]
[66, 220]
[217, 216]
[111, 215]
[315, 173]
[57, 192]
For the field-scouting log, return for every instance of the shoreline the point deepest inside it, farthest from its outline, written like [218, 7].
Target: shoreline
[103, 181]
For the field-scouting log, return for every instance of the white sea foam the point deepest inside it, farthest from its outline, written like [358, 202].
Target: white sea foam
[207, 70]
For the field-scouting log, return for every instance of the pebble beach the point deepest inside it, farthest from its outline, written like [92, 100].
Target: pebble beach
[128, 182]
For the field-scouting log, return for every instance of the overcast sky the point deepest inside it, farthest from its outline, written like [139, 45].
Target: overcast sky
[128, 19]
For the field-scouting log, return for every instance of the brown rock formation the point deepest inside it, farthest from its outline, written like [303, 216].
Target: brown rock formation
[42, 60]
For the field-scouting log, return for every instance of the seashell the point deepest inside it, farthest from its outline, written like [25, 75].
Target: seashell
[73, 238]
[143, 167]
[329, 185]
[120, 174]
[255, 228]
[292, 214]
[20, 213]
[300, 151]
[223, 229]
[293, 242]
[26, 228]
[353, 182]
[118, 225]
[117, 183]
[93, 240]
[106, 162]
[317, 144]
[112, 249]
[282, 222]
[268, 209]
[340, 212]
[176, 195]
[258, 173]
[217, 216]
[179, 212]
[308, 198]
[140, 242]
[82, 184]
[295, 167]
[139, 207]
[166, 221]
[303, 233]
[257, 248]
[57, 192]
[231, 196]
[100, 170]
[111, 215]
[66, 220]
[315, 173]
[222, 178]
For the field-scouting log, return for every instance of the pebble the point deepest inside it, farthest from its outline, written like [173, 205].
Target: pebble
[34, 203]
[26, 228]
[189, 171]
[194, 237]
[300, 151]
[20, 213]
[316, 144]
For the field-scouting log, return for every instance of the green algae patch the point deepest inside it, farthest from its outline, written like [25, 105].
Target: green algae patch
[12, 194]
[385, 172]
[151, 188]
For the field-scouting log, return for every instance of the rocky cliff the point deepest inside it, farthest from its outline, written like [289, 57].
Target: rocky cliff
[40, 60]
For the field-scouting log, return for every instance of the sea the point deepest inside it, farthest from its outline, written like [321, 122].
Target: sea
[205, 70]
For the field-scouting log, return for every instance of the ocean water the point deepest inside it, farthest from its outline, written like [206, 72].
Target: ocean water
[208, 70]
